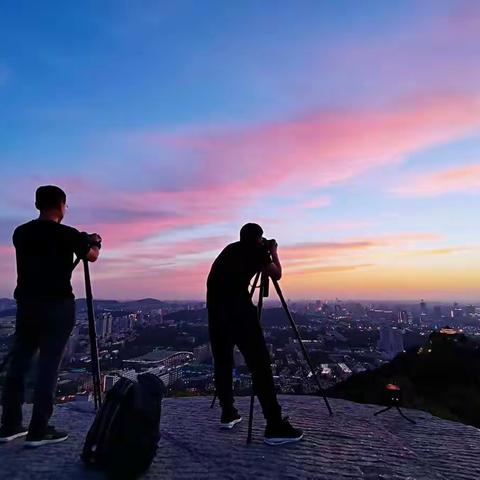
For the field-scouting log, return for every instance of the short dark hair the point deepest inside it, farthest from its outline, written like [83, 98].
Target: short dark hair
[49, 196]
[250, 233]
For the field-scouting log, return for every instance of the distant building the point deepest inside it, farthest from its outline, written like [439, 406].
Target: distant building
[104, 325]
[202, 353]
[470, 310]
[456, 313]
[403, 317]
[423, 307]
[159, 358]
[390, 342]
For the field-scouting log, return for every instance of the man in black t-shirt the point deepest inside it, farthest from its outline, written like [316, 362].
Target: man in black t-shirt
[45, 313]
[233, 320]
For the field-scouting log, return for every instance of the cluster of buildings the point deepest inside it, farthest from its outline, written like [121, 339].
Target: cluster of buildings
[342, 338]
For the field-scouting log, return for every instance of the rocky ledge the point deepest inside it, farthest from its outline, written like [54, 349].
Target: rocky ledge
[351, 444]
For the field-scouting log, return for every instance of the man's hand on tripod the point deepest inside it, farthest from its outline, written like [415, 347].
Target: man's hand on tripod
[94, 252]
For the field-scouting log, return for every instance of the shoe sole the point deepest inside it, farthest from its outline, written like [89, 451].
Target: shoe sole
[39, 443]
[13, 437]
[230, 425]
[281, 441]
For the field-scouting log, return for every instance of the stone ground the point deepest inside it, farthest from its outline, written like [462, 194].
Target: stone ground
[351, 444]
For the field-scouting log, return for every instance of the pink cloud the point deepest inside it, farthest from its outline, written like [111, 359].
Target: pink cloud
[463, 179]
[319, 202]
[316, 150]
[234, 168]
[304, 254]
[173, 282]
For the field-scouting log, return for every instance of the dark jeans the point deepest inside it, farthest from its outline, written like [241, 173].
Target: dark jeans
[237, 324]
[42, 326]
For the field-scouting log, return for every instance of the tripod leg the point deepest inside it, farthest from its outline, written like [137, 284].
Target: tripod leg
[382, 410]
[213, 401]
[405, 417]
[250, 419]
[259, 314]
[254, 286]
[97, 392]
[302, 346]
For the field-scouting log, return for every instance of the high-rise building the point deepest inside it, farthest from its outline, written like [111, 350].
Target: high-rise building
[403, 316]
[390, 342]
[423, 307]
[104, 325]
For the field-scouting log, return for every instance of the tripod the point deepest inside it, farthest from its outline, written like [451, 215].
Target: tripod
[386, 409]
[97, 391]
[393, 394]
[264, 292]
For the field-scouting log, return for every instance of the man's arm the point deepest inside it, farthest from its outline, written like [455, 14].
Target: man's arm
[94, 252]
[85, 245]
[274, 269]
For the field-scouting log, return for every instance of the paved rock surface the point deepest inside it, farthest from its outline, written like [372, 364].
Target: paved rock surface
[351, 444]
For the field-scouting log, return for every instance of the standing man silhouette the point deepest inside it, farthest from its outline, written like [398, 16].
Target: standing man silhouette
[233, 320]
[45, 313]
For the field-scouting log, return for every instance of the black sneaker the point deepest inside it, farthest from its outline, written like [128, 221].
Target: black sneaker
[9, 434]
[230, 418]
[282, 432]
[51, 436]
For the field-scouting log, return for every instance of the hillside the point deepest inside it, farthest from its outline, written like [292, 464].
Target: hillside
[442, 377]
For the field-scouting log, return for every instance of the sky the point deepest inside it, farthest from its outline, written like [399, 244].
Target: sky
[349, 130]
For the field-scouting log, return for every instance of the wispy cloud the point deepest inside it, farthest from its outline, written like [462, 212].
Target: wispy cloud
[458, 179]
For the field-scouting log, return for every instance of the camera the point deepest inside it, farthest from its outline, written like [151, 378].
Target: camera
[93, 239]
[268, 244]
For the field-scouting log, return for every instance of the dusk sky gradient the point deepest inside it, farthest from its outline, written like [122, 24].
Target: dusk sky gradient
[349, 130]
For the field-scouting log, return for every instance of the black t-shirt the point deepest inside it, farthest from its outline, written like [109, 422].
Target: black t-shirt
[232, 271]
[45, 251]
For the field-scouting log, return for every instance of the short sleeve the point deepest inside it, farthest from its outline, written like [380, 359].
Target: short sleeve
[79, 242]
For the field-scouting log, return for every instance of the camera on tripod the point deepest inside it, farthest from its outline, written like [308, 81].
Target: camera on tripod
[93, 239]
[268, 245]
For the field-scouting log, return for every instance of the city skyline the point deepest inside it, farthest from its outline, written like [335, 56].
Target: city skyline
[350, 132]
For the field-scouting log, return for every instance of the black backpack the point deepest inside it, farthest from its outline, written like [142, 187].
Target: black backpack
[124, 436]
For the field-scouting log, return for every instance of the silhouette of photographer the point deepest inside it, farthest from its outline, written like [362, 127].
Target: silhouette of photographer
[233, 320]
[45, 313]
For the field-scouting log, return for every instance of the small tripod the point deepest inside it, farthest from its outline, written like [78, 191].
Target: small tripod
[264, 292]
[97, 391]
[393, 400]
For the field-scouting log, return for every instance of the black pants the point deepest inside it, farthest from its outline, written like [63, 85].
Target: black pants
[42, 326]
[237, 324]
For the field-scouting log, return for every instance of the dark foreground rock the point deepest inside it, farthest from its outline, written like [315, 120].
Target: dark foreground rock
[352, 444]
